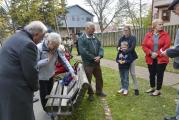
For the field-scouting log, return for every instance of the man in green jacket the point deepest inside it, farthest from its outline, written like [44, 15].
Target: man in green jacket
[91, 52]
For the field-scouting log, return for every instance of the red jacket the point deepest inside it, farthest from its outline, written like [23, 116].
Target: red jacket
[59, 66]
[148, 46]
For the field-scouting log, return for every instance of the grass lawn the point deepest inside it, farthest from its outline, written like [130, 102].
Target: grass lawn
[142, 107]
[110, 53]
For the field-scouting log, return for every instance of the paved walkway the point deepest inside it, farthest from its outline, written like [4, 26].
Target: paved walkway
[170, 79]
[39, 113]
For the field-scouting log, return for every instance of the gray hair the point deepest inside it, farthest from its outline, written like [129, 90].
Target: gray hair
[35, 26]
[54, 37]
[89, 25]
[155, 22]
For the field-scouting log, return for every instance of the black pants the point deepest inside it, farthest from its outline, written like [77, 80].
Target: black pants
[156, 72]
[96, 71]
[45, 89]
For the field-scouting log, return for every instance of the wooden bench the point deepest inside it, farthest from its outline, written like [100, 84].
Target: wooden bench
[64, 99]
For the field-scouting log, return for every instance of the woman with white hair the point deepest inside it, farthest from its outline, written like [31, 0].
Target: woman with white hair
[154, 42]
[48, 54]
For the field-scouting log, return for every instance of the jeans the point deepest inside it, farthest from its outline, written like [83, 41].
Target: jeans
[124, 74]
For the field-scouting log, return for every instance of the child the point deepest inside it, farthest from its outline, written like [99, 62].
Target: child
[124, 60]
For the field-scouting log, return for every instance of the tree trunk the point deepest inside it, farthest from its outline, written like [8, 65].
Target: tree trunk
[141, 14]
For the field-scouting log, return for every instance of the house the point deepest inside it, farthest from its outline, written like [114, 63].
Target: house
[160, 10]
[76, 19]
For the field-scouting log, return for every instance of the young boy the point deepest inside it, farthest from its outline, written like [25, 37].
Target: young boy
[124, 60]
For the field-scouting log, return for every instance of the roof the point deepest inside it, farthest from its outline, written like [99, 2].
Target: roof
[80, 8]
[162, 6]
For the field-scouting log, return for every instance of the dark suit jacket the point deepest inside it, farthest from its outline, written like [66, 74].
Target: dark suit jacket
[18, 77]
[174, 52]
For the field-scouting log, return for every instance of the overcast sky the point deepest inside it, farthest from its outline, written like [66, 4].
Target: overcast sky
[83, 4]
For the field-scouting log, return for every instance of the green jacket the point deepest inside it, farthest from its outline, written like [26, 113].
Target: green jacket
[89, 48]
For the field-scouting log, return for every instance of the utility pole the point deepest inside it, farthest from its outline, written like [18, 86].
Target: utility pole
[152, 11]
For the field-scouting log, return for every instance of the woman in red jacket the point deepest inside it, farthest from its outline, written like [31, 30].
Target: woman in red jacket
[155, 41]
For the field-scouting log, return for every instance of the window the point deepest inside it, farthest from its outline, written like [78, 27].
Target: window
[73, 18]
[62, 17]
[166, 15]
[77, 19]
[88, 19]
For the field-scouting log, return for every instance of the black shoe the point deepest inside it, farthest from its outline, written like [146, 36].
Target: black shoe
[101, 94]
[170, 118]
[35, 99]
[90, 97]
[136, 92]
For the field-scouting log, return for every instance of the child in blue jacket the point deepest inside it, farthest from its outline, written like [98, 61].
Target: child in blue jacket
[124, 59]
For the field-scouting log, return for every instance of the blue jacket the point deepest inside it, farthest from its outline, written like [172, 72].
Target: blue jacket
[124, 56]
[132, 44]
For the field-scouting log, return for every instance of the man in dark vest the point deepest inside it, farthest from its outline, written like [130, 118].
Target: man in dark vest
[18, 72]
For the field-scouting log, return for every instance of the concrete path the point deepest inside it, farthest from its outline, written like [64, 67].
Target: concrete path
[39, 113]
[170, 79]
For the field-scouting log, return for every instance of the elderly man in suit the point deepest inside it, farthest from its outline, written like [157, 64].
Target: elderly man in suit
[174, 53]
[18, 72]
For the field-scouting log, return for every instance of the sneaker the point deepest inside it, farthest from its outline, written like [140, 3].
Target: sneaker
[155, 93]
[170, 118]
[136, 92]
[90, 97]
[150, 90]
[120, 91]
[102, 94]
[125, 92]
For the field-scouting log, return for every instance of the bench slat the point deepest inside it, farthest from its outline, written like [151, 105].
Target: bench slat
[64, 98]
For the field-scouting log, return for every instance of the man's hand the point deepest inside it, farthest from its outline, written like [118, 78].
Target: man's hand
[97, 59]
[163, 53]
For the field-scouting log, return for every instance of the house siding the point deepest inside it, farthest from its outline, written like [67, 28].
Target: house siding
[157, 13]
[77, 17]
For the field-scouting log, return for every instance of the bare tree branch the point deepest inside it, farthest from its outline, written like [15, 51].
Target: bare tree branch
[101, 8]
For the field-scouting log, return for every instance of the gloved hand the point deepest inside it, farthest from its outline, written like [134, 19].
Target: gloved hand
[154, 55]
